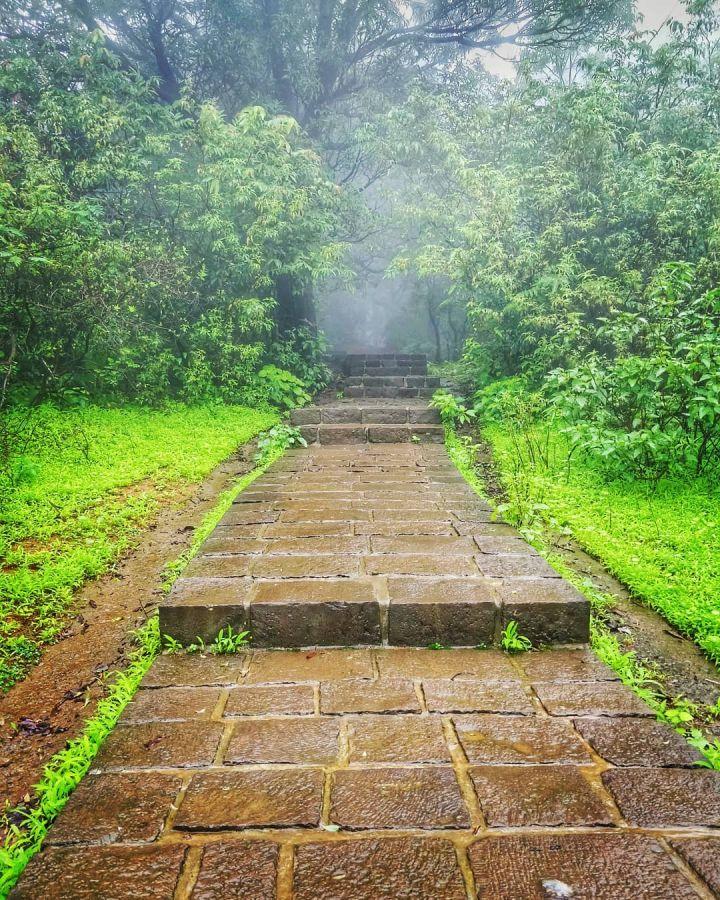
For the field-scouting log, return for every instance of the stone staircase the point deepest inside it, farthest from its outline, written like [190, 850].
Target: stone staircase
[388, 376]
[384, 401]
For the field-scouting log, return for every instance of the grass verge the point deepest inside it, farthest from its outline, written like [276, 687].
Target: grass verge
[66, 769]
[78, 496]
[663, 543]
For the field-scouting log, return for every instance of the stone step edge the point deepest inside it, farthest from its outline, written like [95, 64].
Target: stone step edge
[358, 433]
[371, 622]
[355, 415]
[418, 381]
[388, 393]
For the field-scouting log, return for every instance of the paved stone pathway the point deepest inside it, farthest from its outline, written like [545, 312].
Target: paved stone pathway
[382, 770]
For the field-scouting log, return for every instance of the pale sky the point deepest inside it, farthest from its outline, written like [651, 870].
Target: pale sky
[654, 12]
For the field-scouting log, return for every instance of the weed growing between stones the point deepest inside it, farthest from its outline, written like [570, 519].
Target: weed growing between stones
[512, 641]
[228, 641]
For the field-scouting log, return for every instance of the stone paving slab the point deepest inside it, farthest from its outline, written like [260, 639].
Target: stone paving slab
[369, 545]
[350, 775]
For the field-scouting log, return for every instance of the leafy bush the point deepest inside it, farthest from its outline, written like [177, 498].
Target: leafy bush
[279, 388]
[302, 351]
[452, 410]
[654, 408]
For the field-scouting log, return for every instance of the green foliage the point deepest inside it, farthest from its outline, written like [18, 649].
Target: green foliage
[281, 388]
[169, 239]
[302, 351]
[227, 641]
[452, 410]
[98, 477]
[63, 773]
[512, 641]
[279, 438]
[661, 541]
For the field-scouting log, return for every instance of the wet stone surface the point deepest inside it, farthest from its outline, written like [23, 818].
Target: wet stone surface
[422, 869]
[613, 867]
[371, 772]
[398, 798]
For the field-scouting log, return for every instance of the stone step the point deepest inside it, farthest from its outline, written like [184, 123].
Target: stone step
[398, 381]
[361, 392]
[373, 433]
[380, 544]
[365, 414]
[357, 364]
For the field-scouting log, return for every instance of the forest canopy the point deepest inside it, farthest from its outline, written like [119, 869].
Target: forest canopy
[180, 182]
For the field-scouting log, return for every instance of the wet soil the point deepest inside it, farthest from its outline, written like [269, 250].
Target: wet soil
[50, 706]
[685, 671]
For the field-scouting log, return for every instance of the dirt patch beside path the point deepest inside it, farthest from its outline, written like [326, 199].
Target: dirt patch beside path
[49, 707]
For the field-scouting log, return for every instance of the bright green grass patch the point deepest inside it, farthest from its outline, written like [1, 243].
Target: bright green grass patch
[663, 543]
[86, 484]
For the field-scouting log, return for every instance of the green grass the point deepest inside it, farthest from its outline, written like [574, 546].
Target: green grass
[663, 543]
[87, 484]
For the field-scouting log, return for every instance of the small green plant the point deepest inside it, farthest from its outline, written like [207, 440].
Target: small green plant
[512, 641]
[278, 439]
[227, 641]
[437, 646]
[340, 395]
[415, 439]
[709, 749]
[282, 388]
[452, 410]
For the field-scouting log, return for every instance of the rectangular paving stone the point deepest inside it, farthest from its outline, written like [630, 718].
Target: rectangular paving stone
[173, 704]
[177, 669]
[356, 695]
[418, 564]
[159, 744]
[602, 698]
[408, 528]
[397, 739]
[113, 873]
[271, 699]
[309, 665]
[526, 565]
[323, 514]
[475, 695]
[220, 566]
[381, 869]
[602, 866]
[431, 544]
[421, 663]
[249, 515]
[514, 796]
[519, 740]
[637, 742]
[301, 740]
[252, 798]
[565, 665]
[427, 797]
[703, 857]
[309, 566]
[242, 869]
[456, 612]
[202, 607]
[219, 542]
[665, 798]
[489, 543]
[306, 545]
[126, 807]
[308, 529]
